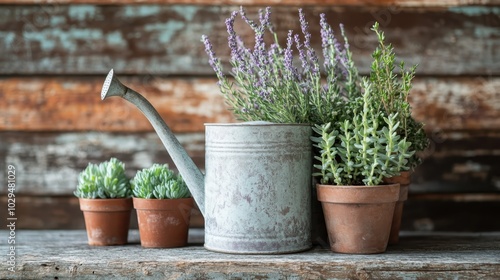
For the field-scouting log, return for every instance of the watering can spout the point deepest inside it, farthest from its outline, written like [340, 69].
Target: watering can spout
[189, 171]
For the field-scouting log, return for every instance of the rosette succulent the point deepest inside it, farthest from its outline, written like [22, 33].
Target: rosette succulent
[104, 180]
[159, 182]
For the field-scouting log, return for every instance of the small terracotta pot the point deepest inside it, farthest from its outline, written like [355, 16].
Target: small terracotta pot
[358, 218]
[107, 220]
[404, 181]
[163, 223]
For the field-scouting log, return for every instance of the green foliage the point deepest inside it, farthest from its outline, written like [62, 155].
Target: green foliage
[106, 180]
[392, 91]
[363, 148]
[159, 182]
[283, 83]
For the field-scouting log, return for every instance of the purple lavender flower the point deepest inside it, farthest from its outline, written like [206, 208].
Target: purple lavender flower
[265, 74]
[243, 15]
[326, 36]
[232, 35]
[346, 42]
[288, 57]
[302, 55]
[265, 18]
[213, 60]
[311, 54]
[305, 29]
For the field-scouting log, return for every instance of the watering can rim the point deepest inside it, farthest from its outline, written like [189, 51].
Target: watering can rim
[257, 123]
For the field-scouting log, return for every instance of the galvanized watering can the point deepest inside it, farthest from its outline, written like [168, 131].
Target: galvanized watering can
[256, 194]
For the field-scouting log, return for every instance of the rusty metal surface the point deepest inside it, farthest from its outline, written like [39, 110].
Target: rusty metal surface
[165, 39]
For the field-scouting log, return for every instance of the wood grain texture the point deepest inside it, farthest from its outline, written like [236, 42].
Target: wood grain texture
[74, 104]
[441, 212]
[165, 39]
[445, 213]
[65, 254]
[362, 3]
[49, 163]
[51, 104]
[459, 162]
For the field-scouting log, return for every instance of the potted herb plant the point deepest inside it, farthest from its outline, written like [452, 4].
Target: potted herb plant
[163, 203]
[391, 95]
[104, 194]
[356, 153]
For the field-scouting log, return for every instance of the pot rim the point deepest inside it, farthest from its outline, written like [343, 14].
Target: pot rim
[168, 204]
[105, 204]
[387, 193]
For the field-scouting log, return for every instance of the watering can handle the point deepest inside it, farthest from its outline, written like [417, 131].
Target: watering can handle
[189, 171]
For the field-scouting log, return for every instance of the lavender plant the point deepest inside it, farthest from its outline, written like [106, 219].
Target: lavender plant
[362, 149]
[392, 91]
[104, 180]
[159, 182]
[267, 84]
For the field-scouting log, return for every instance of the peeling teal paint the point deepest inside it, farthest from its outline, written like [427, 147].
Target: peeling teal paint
[8, 38]
[188, 12]
[115, 38]
[475, 10]
[46, 45]
[486, 32]
[167, 30]
[81, 12]
[69, 40]
[141, 11]
[57, 20]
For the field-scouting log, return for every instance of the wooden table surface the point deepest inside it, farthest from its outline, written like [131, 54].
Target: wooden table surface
[61, 254]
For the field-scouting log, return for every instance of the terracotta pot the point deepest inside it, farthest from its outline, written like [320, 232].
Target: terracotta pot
[358, 218]
[163, 223]
[106, 220]
[404, 181]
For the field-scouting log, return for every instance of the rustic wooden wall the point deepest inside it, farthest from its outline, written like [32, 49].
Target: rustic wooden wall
[54, 57]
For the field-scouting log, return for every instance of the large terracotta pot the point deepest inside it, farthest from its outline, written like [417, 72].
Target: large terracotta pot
[358, 218]
[107, 220]
[404, 181]
[163, 223]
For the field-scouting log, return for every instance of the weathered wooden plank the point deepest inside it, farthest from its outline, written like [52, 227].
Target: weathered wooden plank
[61, 212]
[362, 3]
[439, 212]
[445, 213]
[45, 254]
[471, 104]
[74, 104]
[49, 163]
[459, 162]
[165, 39]
[48, 104]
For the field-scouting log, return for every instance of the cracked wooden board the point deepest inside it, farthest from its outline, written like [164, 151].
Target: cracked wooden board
[63, 254]
[74, 104]
[165, 39]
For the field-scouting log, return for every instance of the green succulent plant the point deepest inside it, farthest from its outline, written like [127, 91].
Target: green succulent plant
[104, 180]
[159, 182]
[364, 147]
